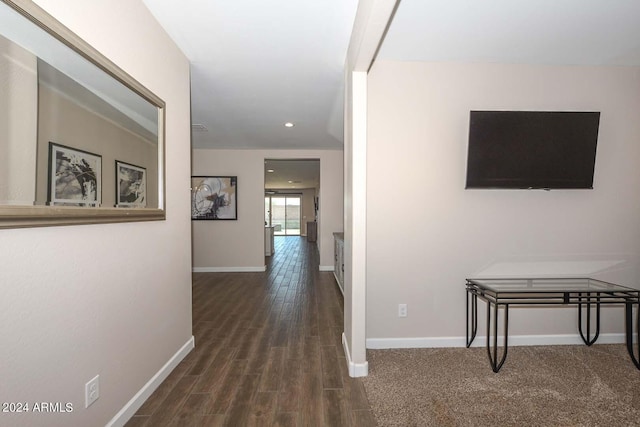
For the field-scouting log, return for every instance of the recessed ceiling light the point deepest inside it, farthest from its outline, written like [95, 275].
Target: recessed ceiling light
[290, 182]
[289, 125]
[270, 170]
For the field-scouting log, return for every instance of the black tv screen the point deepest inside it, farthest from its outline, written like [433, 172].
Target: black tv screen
[532, 149]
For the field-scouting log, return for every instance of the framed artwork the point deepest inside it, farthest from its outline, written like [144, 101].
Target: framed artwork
[75, 177]
[214, 197]
[131, 185]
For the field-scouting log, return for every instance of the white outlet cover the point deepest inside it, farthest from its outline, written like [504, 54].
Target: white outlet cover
[91, 391]
[402, 310]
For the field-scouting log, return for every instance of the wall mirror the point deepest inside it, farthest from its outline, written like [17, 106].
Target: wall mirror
[80, 140]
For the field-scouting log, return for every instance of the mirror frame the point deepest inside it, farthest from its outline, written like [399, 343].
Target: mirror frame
[42, 216]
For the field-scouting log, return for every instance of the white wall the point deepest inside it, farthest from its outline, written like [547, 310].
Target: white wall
[369, 27]
[308, 210]
[426, 234]
[115, 299]
[18, 127]
[239, 245]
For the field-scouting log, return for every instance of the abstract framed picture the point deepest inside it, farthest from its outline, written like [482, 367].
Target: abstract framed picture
[75, 177]
[214, 197]
[131, 186]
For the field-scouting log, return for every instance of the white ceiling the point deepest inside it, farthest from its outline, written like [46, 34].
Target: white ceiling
[257, 64]
[554, 32]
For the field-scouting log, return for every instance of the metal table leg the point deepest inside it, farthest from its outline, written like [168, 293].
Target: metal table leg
[587, 338]
[473, 321]
[628, 314]
[493, 355]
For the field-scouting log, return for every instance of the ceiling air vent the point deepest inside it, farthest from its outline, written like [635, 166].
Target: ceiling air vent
[199, 128]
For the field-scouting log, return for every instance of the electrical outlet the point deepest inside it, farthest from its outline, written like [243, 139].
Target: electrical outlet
[402, 310]
[91, 391]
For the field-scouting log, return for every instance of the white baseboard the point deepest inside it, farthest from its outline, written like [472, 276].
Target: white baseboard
[514, 340]
[229, 269]
[355, 369]
[326, 268]
[335, 276]
[141, 396]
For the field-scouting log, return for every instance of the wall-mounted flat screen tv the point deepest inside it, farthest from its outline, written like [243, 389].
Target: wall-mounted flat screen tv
[532, 149]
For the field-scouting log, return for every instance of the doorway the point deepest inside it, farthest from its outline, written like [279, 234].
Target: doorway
[291, 195]
[283, 213]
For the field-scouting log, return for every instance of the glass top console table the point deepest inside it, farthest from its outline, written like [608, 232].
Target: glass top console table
[585, 293]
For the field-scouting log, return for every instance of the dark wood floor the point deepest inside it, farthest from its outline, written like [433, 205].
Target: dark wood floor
[268, 351]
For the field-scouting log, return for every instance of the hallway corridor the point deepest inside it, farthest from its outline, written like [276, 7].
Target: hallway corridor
[268, 351]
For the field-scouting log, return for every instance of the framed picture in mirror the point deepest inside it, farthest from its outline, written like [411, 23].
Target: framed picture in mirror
[75, 177]
[131, 185]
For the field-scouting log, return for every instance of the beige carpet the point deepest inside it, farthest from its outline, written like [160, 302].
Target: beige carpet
[537, 386]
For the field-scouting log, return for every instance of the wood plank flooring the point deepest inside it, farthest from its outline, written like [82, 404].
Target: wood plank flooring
[268, 351]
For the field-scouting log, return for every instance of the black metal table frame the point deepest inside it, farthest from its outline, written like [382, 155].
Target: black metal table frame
[584, 300]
